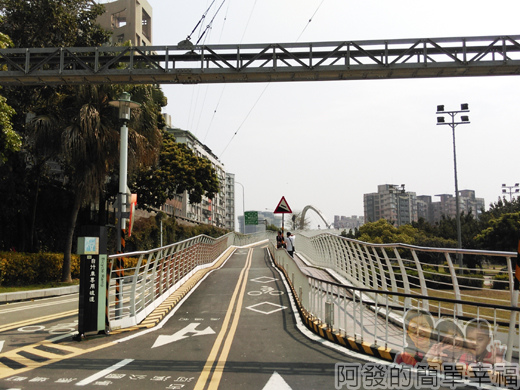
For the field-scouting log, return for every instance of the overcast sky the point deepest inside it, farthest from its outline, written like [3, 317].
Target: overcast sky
[327, 143]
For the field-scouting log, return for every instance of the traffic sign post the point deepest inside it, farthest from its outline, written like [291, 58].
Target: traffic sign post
[283, 208]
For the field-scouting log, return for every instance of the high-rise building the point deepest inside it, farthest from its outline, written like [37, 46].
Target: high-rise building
[447, 205]
[129, 20]
[391, 202]
[230, 201]
[343, 222]
[395, 205]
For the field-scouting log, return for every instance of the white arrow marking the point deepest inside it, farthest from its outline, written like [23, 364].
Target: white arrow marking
[1, 345]
[276, 382]
[182, 334]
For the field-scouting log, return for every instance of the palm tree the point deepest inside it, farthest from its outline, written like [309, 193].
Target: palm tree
[89, 134]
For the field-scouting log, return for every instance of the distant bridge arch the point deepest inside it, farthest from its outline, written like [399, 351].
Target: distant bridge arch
[302, 219]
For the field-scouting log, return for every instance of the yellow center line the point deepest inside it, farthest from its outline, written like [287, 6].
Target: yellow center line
[206, 371]
[32, 321]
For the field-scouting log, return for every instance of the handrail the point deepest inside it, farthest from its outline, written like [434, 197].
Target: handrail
[138, 282]
[410, 277]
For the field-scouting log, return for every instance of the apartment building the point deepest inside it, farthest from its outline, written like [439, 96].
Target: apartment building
[129, 20]
[214, 211]
[390, 202]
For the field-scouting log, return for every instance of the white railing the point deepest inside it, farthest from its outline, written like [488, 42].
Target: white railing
[378, 283]
[140, 281]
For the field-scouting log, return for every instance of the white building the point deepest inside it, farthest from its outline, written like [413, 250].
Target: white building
[214, 211]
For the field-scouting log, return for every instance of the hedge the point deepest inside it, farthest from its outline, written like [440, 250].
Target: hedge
[22, 269]
[501, 281]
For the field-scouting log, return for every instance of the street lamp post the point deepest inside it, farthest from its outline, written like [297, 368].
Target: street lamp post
[464, 119]
[243, 204]
[510, 188]
[125, 104]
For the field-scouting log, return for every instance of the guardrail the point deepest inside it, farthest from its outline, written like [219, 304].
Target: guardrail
[379, 283]
[140, 281]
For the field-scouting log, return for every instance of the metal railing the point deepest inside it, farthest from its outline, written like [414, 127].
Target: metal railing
[378, 283]
[140, 281]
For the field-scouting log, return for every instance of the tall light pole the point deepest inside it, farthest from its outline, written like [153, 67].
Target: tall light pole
[510, 188]
[464, 119]
[243, 205]
[125, 104]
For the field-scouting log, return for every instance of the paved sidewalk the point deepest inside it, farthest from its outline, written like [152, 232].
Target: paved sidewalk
[36, 294]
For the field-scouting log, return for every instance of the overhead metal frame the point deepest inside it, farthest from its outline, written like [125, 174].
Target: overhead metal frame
[186, 64]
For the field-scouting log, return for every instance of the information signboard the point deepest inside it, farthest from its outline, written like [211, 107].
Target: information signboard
[251, 217]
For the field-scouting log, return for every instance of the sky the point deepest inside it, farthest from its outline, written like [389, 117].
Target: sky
[327, 143]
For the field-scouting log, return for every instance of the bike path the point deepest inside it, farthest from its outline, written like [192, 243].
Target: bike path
[235, 330]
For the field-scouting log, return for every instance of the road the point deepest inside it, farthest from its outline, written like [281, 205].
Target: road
[237, 330]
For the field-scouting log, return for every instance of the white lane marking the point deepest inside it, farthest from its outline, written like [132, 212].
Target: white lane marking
[182, 334]
[2, 345]
[63, 336]
[104, 372]
[276, 382]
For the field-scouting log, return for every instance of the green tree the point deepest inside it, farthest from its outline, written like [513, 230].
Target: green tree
[44, 23]
[10, 140]
[39, 23]
[470, 227]
[84, 129]
[177, 170]
[383, 232]
[501, 233]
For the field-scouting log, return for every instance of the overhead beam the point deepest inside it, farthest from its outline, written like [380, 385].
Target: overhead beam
[318, 61]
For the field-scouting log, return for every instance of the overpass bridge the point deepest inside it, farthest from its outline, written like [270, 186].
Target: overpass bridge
[273, 62]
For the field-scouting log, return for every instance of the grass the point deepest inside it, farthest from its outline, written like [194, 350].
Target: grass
[485, 295]
[8, 289]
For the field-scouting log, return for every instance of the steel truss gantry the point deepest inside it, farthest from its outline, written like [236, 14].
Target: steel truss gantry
[189, 64]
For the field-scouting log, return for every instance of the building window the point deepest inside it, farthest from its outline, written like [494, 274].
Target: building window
[119, 19]
[146, 26]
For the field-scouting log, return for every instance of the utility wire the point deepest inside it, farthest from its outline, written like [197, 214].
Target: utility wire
[310, 20]
[211, 21]
[248, 20]
[200, 20]
[257, 100]
[247, 116]
[214, 113]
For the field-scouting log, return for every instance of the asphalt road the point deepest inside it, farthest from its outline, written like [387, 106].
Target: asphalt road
[237, 330]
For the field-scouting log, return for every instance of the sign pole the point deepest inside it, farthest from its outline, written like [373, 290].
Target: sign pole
[283, 208]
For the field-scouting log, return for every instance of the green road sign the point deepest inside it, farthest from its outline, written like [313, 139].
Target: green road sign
[251, 217]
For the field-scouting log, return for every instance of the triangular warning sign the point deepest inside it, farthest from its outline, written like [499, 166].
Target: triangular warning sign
[283, 207]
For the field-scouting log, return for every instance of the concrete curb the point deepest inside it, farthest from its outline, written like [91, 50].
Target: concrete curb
[36, 294]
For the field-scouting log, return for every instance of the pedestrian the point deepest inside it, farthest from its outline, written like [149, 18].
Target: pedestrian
[280, 243]
[290, 244]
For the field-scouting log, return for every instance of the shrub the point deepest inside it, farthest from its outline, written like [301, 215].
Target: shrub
[22, 269]
[501, 282]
